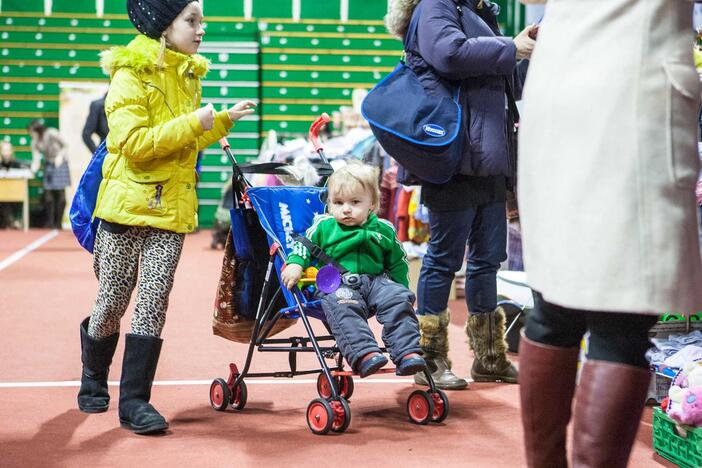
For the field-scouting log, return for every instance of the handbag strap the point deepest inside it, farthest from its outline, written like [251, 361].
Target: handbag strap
[411, 35]
[317, 252]
[511, 102]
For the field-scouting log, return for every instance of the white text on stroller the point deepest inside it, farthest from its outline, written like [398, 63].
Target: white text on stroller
[287, 224]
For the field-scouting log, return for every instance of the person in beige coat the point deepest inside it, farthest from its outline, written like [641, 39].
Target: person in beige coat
[47, 143]
[608, 164]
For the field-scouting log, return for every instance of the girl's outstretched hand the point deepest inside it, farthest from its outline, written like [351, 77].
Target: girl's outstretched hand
[206, 116]
[241, 109]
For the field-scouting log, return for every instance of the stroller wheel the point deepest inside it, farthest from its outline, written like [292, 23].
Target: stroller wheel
[320, 416]
[219, 394]
[346, 386]
[342, 415]
[420, 407]
[441, 406]
[343, 382]
[238, 396]
[324, 387]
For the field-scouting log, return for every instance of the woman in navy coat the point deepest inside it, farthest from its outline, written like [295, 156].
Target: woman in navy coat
[459, 44]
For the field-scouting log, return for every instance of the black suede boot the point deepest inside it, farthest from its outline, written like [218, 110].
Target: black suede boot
[96, 356]
[141, 355]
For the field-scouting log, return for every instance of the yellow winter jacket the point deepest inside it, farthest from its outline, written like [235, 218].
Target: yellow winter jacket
[149, 174]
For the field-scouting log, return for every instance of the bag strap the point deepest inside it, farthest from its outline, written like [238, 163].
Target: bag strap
[511, 102]
[512, 151]
[317, 252]
[411, 35]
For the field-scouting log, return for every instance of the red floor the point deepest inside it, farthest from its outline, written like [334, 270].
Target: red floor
[46, 293]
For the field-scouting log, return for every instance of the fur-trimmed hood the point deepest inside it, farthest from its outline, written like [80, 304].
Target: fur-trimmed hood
[142, 53]
[399, 16]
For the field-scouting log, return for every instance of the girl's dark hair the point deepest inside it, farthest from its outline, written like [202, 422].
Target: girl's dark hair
[36, 126]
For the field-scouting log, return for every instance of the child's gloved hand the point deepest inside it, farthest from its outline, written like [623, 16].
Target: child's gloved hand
[241, 109]
[206, 116]
[291, 275]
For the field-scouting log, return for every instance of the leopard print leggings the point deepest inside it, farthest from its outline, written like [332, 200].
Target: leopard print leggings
[147, 254]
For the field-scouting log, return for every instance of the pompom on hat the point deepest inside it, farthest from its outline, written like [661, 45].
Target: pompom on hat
[152, 17]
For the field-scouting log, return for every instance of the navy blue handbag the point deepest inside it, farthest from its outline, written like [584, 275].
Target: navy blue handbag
[420, 131]
[84, 201]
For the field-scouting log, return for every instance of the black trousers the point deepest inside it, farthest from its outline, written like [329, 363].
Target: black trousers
[615, 337]
[54, 204]
[5, 215]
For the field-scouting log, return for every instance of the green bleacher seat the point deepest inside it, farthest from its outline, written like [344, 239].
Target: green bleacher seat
[295, 70]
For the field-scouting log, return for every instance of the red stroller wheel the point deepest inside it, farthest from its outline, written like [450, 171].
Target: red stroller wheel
[219, 394]
[319, 416]
[324, 387]
[342, 415]
[238, 396]
[441, 406]
[420, 407]
[344, 384]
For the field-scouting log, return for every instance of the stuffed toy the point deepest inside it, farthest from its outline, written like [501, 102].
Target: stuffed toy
[685, 395]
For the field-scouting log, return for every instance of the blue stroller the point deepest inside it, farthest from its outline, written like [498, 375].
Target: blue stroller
[283, 212]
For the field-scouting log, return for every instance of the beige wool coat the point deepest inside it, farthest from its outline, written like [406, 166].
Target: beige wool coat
[608, 157]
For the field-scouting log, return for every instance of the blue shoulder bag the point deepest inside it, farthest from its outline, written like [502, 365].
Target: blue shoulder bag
[81, 214]
[420, 131]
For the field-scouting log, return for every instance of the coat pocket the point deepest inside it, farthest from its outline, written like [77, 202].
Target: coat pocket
[682, 106]
[146, 192]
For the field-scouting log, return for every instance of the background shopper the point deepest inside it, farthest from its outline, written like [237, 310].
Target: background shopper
[47, 143]
[460, 42]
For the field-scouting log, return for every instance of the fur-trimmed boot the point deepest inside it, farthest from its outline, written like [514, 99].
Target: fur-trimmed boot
[141, 355]
[608, 405]
[433, 339]
[96, 356]
[486, 334]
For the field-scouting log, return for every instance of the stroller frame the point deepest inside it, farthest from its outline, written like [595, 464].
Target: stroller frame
[329, 412]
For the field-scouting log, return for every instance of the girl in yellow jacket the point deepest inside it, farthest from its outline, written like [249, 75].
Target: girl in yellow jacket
[147, 199]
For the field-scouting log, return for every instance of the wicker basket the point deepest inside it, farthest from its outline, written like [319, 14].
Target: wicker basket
[227, 322]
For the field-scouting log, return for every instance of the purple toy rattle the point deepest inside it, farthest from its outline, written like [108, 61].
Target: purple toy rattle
[328, 279]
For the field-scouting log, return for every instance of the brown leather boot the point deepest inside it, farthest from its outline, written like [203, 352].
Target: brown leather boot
[546, 387]
[608, 407]
[433, 339]
[486, 335]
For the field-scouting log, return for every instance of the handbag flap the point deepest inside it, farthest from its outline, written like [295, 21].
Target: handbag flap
[400, 105]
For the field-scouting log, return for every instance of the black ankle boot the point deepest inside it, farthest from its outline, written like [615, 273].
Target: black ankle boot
[141, 355]
[96, 356]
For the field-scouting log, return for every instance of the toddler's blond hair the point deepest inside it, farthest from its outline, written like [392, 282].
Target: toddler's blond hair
[352, 176]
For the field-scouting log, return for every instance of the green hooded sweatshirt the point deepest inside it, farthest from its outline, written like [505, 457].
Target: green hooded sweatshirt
[371, 248]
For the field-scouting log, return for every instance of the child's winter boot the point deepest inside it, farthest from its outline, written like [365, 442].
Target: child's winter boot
[141, 355]
[96, 356]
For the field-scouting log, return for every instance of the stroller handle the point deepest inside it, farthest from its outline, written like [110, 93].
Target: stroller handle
[226, 147]
[224, 143]
[315, 128]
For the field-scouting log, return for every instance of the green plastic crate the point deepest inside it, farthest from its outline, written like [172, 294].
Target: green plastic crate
[679, 444]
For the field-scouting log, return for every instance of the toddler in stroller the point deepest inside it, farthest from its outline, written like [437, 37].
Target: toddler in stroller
[375, 279]
[361, 243]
